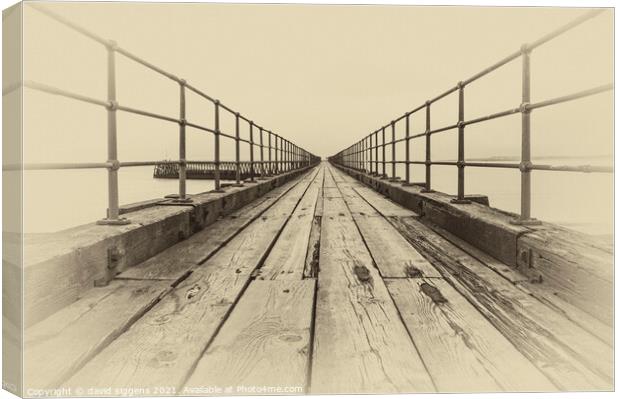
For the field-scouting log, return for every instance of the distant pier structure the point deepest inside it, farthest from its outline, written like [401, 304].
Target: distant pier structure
[204, 170]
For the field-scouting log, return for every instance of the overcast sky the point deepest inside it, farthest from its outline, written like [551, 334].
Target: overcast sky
[321, 76]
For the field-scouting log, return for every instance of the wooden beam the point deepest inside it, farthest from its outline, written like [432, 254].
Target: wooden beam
[264, 341]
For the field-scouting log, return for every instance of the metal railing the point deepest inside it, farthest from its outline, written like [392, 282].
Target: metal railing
[364, 154]
[287, 155]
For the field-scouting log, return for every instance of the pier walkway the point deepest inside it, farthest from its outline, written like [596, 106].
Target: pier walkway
[322, 285]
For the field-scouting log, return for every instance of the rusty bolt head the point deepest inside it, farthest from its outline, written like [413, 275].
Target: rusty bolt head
[182, 122]
[460, 124]
[460, 164]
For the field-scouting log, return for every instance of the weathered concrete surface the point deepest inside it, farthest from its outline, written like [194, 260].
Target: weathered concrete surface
[59, 267]
[576, 267]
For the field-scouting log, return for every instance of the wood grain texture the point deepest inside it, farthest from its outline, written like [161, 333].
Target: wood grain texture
[394, 256]
[540, 291]
[265, 340]
[166, 343]
[187, 254]
[575, 267]
[60, 345]
[461, 349]
[287, 258]
[572, 358]
[361, 344]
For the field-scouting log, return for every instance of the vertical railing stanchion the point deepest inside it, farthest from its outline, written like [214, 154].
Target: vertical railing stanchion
[182, 144]
[275, 154]
[370, 154]
[237, 154]
[377, 153]
[113, 214]
[407, 151]
[427, 187]
[526, 163]
[393, 125]
[262, 156]
[383, 174]
[252, 169]
[216, 172]
[460, 196]
[270, 165]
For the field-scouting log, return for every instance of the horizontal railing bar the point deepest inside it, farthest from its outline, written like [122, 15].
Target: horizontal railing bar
[493, 67]
[146, 64]
[199, 92]
[579, 168]
[444, 94]
[504, 61]
[492, 116]
[63, 93]
[147, 113]
[69, 24]
[10, 88]
[565, 28]
[443, 129]
[51, 166]
[571, 97]
[200, 127]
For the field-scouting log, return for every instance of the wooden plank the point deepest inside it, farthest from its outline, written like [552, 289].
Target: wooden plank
[183, 256]
[461, 349]
[166, 342]
[264, 342]
[535, 289]
[572, 358]
[383, 204]
[394, 256]
[287, 258]
[360, 345]
[311, 267]
[61, 344]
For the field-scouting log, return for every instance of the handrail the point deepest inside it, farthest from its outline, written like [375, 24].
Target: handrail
[360, 155]
[287, 156]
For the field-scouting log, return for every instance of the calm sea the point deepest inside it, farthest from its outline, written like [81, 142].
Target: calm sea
[56, 200]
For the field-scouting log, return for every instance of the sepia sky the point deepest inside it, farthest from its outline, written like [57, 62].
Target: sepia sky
[319, 75]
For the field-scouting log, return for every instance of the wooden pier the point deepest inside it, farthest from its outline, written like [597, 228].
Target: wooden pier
[321, 286]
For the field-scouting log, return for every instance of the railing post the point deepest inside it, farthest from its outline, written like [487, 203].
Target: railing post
[383, 174]
[526, 163]
[237, 154]
[460, 196]
[262, 157]
[182, 161]
[393, 179]
[377, 153]
[427, 188]
[276, 154]
[270, 167]
[407, 151]
[252, 170]
[216, 172]
[113, 211]
[370, 153]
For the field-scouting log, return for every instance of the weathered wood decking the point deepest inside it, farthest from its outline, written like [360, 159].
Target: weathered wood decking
[321, 286]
